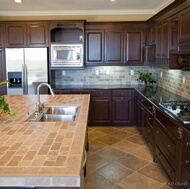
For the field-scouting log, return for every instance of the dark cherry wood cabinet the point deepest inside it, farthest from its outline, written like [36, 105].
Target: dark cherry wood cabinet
[134, 47]
[114, 45]
[185, 171]
[37, 34]
[95, 47]
[151, 35]
[144, 118]
[162, 41]
[101, 107]
[123, 107]
[168, 137]
[30, 34]
[2, 34]
[184, 31]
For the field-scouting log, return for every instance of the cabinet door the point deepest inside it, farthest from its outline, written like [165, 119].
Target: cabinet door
[114, 46]
[2, 35]
[95, 47]
[158, 41]
[133, 47]
[101, 111]
[16, 35]
[184, 29]
[165, 40]
[37, 34]
[122, 111]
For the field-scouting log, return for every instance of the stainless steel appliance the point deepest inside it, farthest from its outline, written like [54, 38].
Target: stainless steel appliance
[67, 55]
[26, 69]
[181, 109]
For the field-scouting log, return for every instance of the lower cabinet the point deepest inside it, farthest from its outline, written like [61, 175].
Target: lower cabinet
[101, 107]
[108, 107]
[185, 168]
[144, 118]
[168, 140]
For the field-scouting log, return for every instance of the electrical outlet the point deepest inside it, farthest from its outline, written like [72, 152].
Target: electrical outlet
[183, 80]
[107, 72]
[97, 72]
[161, 74]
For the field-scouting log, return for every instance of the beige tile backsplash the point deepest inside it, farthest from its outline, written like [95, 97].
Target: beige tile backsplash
[171, 79]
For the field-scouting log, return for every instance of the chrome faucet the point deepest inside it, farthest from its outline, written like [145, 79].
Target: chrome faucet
[39, 106]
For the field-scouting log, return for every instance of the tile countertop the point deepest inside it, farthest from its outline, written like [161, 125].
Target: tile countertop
[42, 153]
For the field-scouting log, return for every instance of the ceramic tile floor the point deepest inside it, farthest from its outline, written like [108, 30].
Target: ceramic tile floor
[118, 158]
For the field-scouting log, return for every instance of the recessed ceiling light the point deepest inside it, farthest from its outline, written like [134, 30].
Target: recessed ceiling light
[112, 0]
[18, 1]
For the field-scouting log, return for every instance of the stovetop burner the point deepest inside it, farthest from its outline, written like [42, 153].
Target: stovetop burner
[181, 109]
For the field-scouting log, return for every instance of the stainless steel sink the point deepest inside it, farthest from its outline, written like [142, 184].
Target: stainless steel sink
[55, 117]
[71, 110]
[52, 112]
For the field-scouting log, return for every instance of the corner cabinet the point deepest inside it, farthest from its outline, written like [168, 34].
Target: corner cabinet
[30, 34]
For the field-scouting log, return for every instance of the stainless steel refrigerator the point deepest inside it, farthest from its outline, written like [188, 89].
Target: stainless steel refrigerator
[26, 68]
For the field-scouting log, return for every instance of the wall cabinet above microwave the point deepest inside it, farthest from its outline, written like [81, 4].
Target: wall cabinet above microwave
[68, 32]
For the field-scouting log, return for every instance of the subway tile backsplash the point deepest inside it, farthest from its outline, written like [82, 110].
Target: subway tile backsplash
[100, 75]
[171, 80]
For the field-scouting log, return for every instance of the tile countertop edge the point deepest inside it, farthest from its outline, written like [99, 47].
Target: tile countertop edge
[69, 173]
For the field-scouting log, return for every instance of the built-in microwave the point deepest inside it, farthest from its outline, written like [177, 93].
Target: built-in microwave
[67, 55]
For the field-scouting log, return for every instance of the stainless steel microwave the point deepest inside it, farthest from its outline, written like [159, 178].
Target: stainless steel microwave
[67, 55]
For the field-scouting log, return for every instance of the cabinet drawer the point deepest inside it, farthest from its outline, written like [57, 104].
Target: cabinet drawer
[167, 141]
[186, 141]
[186, 159]
[101, 93]
[170, 171]
[121, 93]
[166, 123]
[185, 183]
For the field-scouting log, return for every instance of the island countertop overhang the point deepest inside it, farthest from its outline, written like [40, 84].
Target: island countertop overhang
[52, 151]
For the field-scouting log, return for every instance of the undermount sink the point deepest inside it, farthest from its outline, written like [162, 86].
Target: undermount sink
[70, 109]
[52, 112]
[54, 117]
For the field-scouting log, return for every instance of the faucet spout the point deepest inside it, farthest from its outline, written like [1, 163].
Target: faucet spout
[39, 105]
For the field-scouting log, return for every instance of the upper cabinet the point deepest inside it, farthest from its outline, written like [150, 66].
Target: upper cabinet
[68, 32]
[114, 46]
[30, 34]
[184, 31]
[162, 42]
[2, 35]
[134, 46]
[95, 46]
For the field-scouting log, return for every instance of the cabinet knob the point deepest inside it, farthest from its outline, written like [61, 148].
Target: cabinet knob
[187, 161]
[180, 133]
[188, 143]
[169, 171]
[149, 118]
[157, 132]
[169, 145]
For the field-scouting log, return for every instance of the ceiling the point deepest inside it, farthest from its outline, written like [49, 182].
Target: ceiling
[89, 10]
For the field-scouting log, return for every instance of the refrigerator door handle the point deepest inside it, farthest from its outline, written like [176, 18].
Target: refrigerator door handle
[23, 78]
[26, 79]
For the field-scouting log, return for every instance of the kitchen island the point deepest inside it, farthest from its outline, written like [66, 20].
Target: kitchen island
[42, 154]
